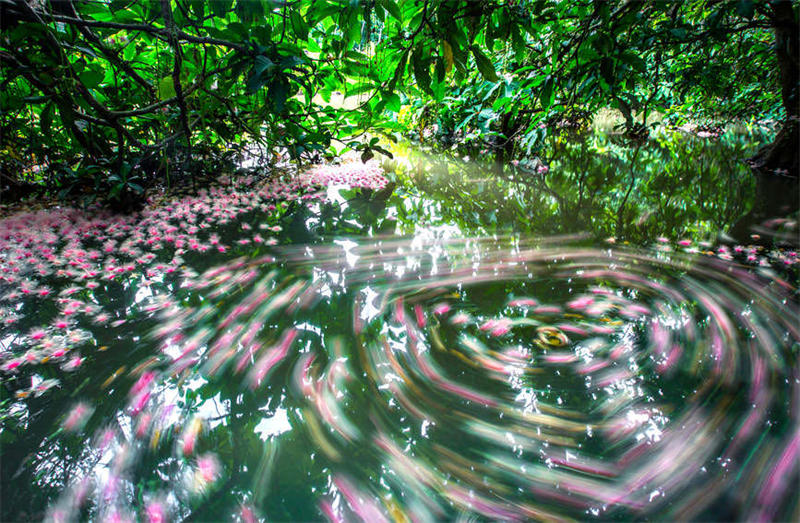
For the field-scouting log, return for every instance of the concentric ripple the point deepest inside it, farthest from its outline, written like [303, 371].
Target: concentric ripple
[432, 379]
[609, 383]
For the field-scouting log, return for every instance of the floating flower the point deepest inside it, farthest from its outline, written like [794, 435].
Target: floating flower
[77, 417]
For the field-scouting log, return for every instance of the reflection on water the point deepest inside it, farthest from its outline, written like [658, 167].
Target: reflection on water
[675, 185]
[299, 361]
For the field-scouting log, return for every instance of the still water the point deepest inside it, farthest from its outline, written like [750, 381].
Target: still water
[561, 339]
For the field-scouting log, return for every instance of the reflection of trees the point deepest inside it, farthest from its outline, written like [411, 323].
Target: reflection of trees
[670, 186]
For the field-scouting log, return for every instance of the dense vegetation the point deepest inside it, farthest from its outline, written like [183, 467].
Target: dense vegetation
[110, 97]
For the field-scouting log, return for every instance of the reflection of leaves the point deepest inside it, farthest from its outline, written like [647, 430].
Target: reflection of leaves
[674, 182]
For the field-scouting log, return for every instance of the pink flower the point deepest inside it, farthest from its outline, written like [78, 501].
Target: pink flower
[420, 316]
[460, 318]
[208, 468]
[139, 402]
[155, 512]
[522, 302]
[502, 327]
[441, 308]
[13, 364]
[497, 327]
[143, 425]
[488, 325]
[190, 436]
[581, 302]
[248, 515]
[77, 417]
[142, 383]
[74, 363]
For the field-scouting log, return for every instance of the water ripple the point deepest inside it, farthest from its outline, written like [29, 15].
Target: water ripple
[501, 378]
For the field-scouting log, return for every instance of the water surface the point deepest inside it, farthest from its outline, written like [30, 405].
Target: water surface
[568, 343]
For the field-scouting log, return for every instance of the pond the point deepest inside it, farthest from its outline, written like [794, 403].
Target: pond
[565, 338]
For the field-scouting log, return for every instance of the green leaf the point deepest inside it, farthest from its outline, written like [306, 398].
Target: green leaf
[383, 151]
[447, 54]
[166, 88]
[634, 61]
[393, 9]
[240, 29]
[197, 7]
[249, 11]
[421, 72]
[439, 70]
[119, 5]
[439, 90]
[546, 95]
[92, 76]
[225, 34]
[485, 65]
[220, 7]
[278, 92]
[313, 46]
[290, 62]
[255, 82]
[359, 89]
[130, 52]
[518, 41]
[299, 25]
[262, 63]
[263, 33]
[392, 101]
[400, 70]
[678, 32]
[367, 155]
[465, 121]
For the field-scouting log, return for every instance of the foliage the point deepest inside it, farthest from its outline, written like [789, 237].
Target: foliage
[686, 60]
[150, 83]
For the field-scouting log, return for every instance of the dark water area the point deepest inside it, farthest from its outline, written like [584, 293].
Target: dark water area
[567, 338]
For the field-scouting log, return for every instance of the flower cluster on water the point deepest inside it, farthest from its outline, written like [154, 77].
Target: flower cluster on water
[354, 174]
[65, 272]
[68, 256]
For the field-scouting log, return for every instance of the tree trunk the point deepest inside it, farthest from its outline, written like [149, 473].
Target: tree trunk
[781, 156]
[776, 164]
[506, 145]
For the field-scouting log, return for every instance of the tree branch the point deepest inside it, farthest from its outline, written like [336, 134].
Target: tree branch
[113, 57]
[147, 28]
